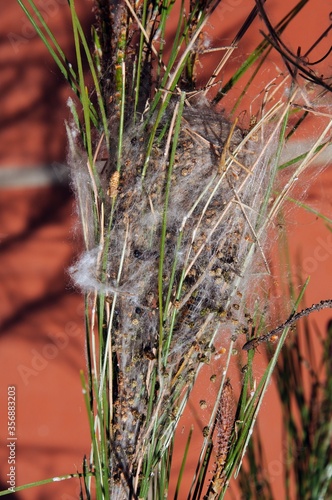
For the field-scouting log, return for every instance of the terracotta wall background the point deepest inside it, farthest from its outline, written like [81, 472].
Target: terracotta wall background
[42, 335]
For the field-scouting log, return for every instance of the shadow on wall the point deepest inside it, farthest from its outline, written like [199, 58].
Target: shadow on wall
[33, 91]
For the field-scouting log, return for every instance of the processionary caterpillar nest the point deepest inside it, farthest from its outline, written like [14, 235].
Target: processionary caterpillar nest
[181, 237]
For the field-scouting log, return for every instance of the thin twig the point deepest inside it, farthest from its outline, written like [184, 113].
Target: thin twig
[253, 343]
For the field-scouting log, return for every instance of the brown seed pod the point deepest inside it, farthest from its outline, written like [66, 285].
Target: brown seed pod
[114, 184]
[224, 425]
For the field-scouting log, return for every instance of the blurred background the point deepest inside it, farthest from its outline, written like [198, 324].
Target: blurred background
[42, 345]
[42, 332]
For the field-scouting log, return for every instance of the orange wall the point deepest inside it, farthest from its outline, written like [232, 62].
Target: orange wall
[42, 334]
